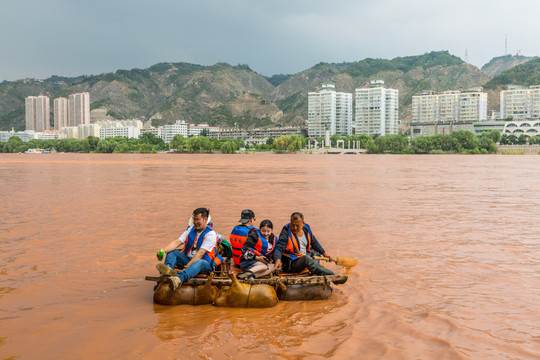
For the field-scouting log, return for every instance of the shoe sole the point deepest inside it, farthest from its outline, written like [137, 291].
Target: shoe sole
[244, 276]
[165, 270]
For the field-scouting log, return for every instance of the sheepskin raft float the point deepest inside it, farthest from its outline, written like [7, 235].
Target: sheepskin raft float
[226, 290]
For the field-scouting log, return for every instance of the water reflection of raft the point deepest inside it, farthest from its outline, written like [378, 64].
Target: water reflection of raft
[264, 292]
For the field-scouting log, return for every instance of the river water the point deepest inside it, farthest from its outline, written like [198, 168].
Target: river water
[447, 246]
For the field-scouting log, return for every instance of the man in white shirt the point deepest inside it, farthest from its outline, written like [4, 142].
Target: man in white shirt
[195, 251]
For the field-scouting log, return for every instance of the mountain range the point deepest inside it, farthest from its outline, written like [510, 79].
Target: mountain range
[227, 96]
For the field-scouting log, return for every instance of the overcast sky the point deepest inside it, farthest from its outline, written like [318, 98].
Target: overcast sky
[40, 38]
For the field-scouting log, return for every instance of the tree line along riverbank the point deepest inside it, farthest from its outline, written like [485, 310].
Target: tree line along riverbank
[458, 142]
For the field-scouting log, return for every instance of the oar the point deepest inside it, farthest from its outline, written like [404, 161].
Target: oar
[340, 261]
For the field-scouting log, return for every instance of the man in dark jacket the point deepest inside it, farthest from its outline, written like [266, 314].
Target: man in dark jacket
[296, 246]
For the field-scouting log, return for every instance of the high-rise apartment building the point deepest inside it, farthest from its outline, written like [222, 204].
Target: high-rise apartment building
[37, 113]
[61, 114]
[520, 103]
[455, 106]
[329, 110]
[79, 109]
[344, 113]
[377, 110]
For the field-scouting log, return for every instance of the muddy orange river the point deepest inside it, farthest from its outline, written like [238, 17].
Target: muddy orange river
[447, 247]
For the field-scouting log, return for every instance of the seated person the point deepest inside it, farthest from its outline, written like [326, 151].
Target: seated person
[258, 252]
[240, 232]
[199, 254]
[294, 252]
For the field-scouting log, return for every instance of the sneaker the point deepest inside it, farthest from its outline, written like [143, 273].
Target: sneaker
[165, 270]
[174, 282]
[245, 275]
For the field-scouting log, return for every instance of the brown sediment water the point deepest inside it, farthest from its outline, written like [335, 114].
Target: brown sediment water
[448, 250]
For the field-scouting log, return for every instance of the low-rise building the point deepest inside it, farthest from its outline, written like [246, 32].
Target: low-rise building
[169, 131]
[447, 127]
[125, 131]
[196, 130]
[526, 127]
[257, 135]
[86, 130]
[69, 132]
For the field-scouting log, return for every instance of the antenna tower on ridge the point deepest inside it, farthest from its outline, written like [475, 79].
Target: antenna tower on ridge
[505, 44]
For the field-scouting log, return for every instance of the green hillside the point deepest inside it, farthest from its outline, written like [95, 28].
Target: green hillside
[226, 95]
[526, 74]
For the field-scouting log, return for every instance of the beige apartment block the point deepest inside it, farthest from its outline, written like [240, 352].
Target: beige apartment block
[79, 109]
[61, 113]
[520, 103]
[454, 106]
[37, 113]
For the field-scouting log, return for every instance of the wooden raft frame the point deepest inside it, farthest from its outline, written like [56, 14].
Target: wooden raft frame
[286, 280]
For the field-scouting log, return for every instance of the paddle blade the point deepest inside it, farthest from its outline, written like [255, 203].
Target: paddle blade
[346, 262]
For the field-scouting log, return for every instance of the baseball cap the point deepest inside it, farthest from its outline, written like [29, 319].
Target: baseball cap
[246, 216]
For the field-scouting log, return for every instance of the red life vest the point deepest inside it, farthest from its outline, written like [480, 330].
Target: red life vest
[237, 239]
[293, 247]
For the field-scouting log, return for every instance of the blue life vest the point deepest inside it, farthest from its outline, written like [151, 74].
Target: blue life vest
[213, 256]
[264, 247]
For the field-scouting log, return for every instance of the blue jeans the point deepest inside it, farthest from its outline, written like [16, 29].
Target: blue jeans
[177, 258]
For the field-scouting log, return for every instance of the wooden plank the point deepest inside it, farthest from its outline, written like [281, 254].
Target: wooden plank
[287, 280]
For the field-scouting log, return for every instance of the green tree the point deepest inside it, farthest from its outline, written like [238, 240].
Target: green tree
[93, 142]
[123, 148]
[150, 138]
[467, 140]
[494, 135]
[511, 139]
[228, 147]
[487, 144]
[178, 142]
[145, 148]
[522, 139]
[15, 145]
[288, 143]
[106, 146]
[371, 147]
[422, 144]
[198, 144]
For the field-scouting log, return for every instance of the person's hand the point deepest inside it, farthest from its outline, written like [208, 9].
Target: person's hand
[277, 267]
[261, 259]
[329, 257]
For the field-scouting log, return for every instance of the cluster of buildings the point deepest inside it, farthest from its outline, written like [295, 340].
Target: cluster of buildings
[468, 105]
[71, 111]
[253, 136]
[331, 112]
[439, 113]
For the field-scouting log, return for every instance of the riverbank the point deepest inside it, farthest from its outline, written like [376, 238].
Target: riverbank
[519, 149]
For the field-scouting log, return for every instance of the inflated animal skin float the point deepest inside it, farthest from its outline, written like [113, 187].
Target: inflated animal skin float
[226, 290]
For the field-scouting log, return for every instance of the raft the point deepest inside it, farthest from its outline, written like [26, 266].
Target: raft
[221, 290]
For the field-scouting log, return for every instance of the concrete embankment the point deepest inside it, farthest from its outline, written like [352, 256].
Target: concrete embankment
[526, 149]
